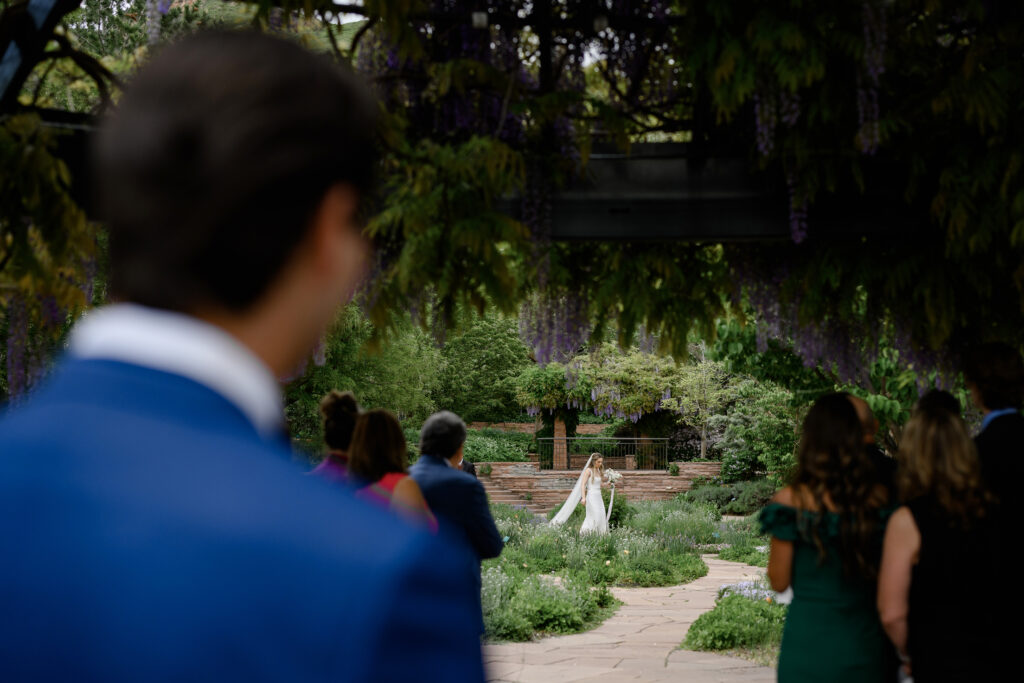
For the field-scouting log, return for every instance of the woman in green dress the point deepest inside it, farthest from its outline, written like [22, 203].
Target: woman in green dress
[826, 531]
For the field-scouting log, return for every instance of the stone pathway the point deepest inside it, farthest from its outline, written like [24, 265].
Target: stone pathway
[638, 643]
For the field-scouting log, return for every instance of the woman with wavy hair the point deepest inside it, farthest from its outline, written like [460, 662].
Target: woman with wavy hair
[942, 540]
[826, 530]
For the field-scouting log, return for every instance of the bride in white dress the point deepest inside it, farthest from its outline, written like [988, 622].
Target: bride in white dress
[589, 481]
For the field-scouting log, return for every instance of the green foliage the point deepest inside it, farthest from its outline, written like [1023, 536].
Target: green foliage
[676, 520]
[949, 97]
[478, 371]
[737, 621]
[455, 243]
[492, 445]
[760, 434]
[399, 376]
[746, 555]
[545, 388]
[46, 248]
[673, 469]
[738, 498]
[744, 542]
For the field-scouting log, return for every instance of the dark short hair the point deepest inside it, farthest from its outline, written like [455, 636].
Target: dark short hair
[339, 411]
[442, 434]
[215, 161]
[936, 401]
[997, 371]
[378, 446]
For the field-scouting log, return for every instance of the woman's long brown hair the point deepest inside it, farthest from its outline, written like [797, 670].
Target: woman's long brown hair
[938, 459]
[835, 473]
[378, 446]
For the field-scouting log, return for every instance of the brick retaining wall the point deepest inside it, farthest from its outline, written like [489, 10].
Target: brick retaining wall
[532, 427]
[512, 482]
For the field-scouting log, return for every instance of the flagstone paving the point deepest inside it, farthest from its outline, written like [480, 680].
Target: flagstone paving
[638, 643]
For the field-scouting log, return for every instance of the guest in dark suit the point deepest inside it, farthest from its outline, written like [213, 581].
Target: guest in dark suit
[995, 376]
[456, 498]
[152, 526]
[468, 467]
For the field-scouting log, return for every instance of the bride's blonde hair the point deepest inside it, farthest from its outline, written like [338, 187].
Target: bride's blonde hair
[593, 461]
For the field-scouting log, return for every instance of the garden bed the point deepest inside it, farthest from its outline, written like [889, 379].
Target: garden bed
[650, 544]
[746, 622]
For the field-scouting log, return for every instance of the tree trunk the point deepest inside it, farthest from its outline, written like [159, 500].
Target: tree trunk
[703, 442]
[560, 456]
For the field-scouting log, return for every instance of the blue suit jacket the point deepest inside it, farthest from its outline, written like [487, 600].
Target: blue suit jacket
[148, 533]
[460, 504]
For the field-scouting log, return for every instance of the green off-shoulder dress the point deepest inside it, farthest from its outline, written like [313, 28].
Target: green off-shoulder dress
[832, 631]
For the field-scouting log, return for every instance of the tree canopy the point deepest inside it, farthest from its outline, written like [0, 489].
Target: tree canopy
[489, 112]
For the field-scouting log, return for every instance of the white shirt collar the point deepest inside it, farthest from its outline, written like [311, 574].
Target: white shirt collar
[183, 345]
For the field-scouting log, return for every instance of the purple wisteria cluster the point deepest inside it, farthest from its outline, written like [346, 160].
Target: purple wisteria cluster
[154, 10]
[554, 326]
[765, 118]
[18, 369]
[826, 344]
[831, 343]
[874, 19]
[797, 210]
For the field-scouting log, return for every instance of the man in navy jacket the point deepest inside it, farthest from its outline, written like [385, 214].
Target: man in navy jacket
[152, 526]
[455, 497]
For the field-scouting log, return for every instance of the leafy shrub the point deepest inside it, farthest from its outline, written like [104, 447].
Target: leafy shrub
[760, 434]
[715, 495]
[689, 567]
[648, 570]
[673, 469]
[548, 607]
[745, 554]
[740, 498]
[750, 496]
[737, 621]
[485, 470]
[492, 445]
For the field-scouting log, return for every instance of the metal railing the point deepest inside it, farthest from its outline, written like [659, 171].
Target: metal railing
[620, 453]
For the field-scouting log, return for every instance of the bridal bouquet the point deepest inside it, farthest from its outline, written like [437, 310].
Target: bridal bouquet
[612, 476]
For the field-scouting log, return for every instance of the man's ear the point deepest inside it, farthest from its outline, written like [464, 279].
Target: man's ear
[339, 248]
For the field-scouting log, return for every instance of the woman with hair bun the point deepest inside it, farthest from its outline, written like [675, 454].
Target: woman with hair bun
[826, 530]
[339, 411]
[941, 555]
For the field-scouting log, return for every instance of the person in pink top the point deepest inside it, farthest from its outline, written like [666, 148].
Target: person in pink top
[378, 454]
[339, 411]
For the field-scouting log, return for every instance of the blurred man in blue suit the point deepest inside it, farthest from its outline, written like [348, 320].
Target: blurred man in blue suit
[152, 527]
[456, 497]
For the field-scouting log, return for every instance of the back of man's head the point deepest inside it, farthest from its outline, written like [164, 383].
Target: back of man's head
[215, 161]
[442, 435]
[997, 373]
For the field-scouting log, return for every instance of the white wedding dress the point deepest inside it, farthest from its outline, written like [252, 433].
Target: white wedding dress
[596, 522]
